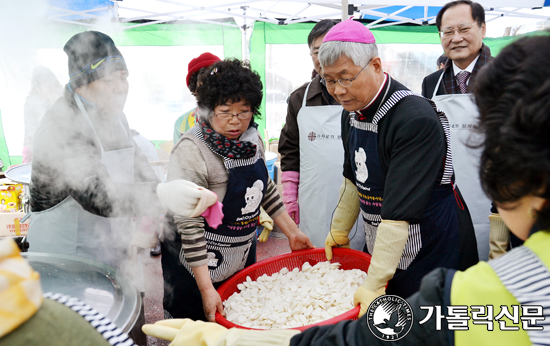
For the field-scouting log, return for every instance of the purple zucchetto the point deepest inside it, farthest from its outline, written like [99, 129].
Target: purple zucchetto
[350, 31]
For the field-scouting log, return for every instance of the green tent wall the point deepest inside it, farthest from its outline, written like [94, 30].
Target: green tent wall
[4, 154]
[178, 34]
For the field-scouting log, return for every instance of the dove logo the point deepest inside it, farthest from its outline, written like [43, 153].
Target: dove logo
[390, 318]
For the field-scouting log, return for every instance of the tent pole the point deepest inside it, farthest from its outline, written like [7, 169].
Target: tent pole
[245, 51]
[344, 10]
[115, 11]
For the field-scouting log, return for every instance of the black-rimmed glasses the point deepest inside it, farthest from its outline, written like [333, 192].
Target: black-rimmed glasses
[227, 115]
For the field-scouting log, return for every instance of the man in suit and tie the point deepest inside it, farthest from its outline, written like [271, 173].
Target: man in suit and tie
[461, 26]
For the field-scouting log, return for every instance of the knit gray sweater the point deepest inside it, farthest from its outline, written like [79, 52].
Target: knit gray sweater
[192, 160]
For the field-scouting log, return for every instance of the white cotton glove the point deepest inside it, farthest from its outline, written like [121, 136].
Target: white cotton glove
[185, 198]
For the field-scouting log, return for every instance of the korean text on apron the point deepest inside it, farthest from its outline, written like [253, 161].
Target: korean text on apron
[321, 161]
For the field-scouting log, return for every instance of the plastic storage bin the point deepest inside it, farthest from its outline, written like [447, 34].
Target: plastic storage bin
[270, 159]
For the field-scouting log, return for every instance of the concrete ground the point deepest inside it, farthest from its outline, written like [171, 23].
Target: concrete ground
[277, 244]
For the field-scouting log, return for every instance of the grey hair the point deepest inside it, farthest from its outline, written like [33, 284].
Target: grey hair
[359, 53]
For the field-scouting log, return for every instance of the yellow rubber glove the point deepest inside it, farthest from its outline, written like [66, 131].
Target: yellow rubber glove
[186, 332]
[391, 237]
[364, 297]
[499, 236]
[344, 218]
[267, 222]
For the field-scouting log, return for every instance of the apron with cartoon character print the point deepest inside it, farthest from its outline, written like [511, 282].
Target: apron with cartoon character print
[231, 247]
[433, 240]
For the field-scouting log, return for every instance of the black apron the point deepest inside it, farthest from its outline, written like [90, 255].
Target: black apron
[230, 248]
[433, 240]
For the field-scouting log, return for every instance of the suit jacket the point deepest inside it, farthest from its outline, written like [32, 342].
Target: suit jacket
[449, 84]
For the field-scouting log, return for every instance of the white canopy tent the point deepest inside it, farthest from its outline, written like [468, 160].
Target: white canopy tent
[245, 13]
[279, 12]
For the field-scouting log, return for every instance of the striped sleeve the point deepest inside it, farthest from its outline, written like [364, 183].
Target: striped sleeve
[193, 242]
[272, 202]
[186, 162]
[110, 332]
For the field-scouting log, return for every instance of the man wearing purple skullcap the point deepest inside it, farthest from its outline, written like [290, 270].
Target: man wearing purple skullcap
[397, 169]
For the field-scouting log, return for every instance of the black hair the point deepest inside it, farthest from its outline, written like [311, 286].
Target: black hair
[193, 79]
[229, 80]
[478, 12]
[513, 97]
[441, 60]
[319, 30]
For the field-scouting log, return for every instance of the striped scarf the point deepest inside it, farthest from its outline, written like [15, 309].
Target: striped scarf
[449, 79]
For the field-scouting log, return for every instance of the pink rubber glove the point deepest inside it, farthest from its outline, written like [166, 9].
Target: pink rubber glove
[214, 215]
[27, 154]
[290, 180]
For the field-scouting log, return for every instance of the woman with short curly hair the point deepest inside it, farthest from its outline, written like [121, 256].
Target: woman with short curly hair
[223, 152]
[229, 80]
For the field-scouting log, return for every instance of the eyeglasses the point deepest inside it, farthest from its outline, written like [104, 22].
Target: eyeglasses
[227, 115]
[345, 82]
[462, 30]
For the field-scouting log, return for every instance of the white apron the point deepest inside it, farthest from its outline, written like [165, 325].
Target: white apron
[321, 165]
[463, 116]
[68, 229]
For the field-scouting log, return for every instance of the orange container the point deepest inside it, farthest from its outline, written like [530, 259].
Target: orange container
[349, 259]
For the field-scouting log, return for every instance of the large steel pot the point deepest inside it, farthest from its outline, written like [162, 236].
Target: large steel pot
[97, 284]
[20, 173]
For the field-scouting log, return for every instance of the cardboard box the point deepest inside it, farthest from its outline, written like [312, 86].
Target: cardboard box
[10, 200]
[8, 227]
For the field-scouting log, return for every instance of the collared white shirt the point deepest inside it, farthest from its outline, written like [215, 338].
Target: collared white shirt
[470, 68]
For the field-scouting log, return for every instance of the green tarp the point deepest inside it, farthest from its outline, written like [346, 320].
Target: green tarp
[4, 154]
[194, 34]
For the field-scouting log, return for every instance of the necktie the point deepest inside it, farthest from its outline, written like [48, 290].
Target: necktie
[462, 77]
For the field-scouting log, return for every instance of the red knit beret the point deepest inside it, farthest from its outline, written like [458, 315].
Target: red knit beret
[203, 60]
